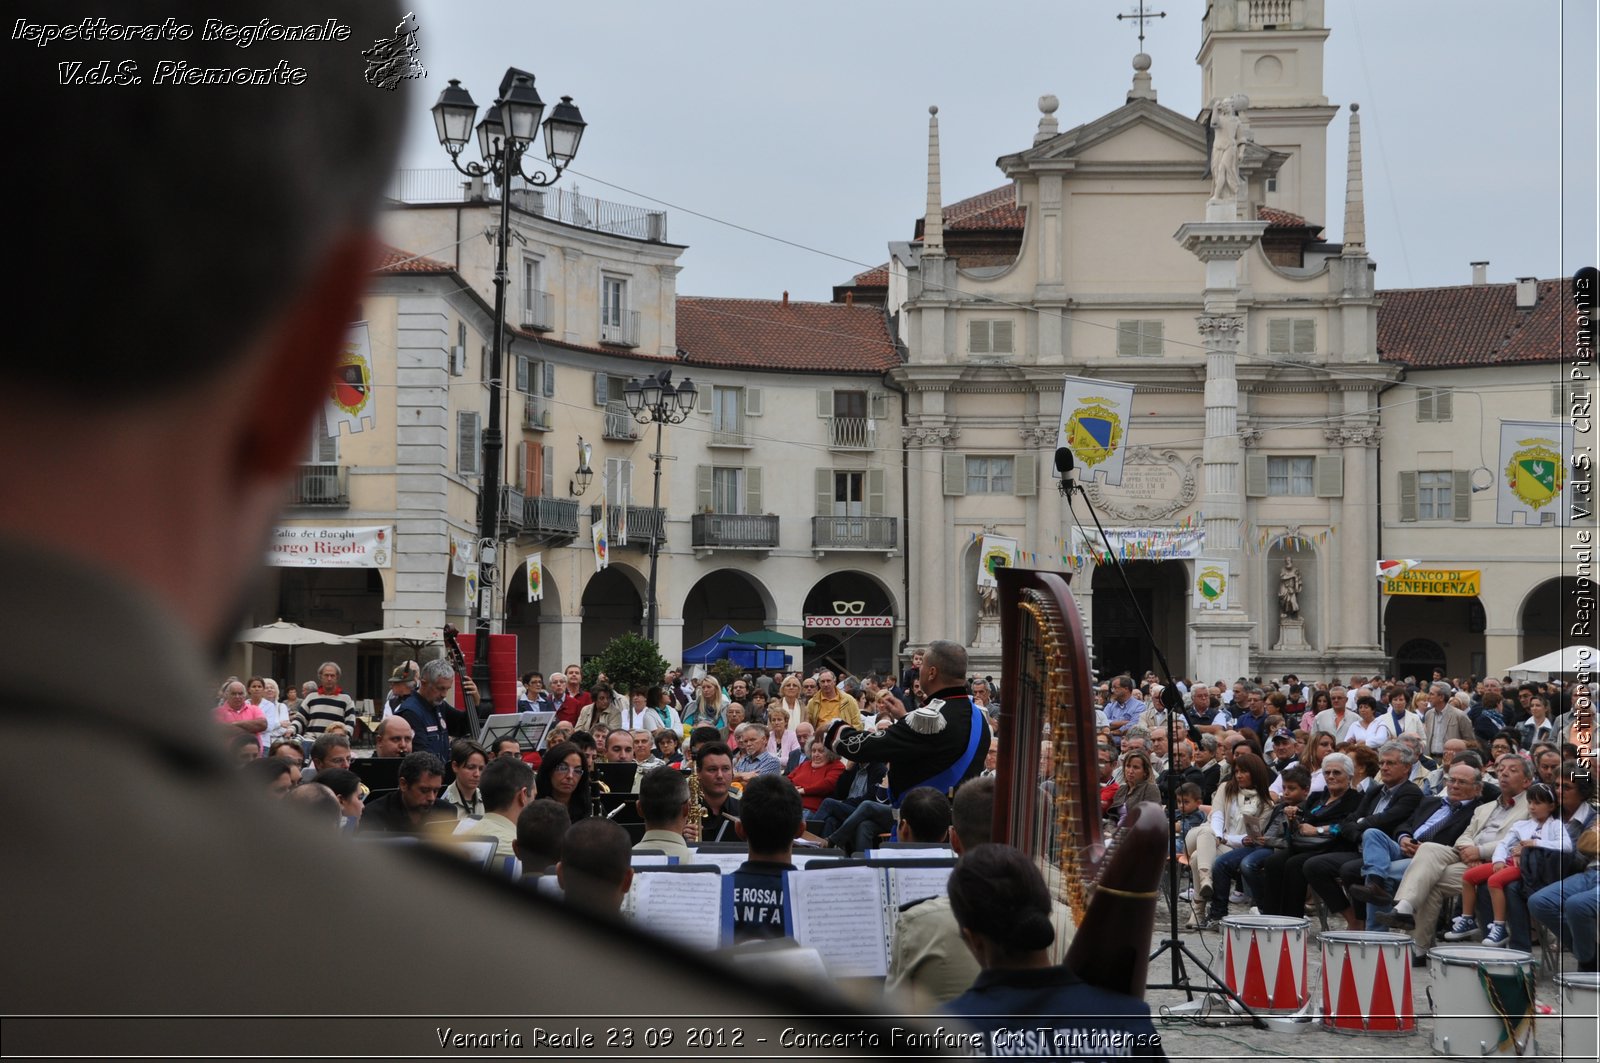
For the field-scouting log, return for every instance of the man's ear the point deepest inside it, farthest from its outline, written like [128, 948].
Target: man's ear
[955, 841]
[739, 829]
[301, 353]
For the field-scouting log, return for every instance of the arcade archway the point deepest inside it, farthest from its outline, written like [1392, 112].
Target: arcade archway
[728, 597]
[1424, 632]
[1161, 592]
[530, 621]
[613, 605]
[851, 618]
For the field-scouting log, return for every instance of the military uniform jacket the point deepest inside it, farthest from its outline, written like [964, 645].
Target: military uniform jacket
[921, 745]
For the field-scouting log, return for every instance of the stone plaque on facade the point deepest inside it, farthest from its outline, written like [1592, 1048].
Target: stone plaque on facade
[1155, 484]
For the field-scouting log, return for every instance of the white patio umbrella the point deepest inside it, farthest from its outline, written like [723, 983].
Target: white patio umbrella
[1562, 661]
[283, 633]
[417, 635]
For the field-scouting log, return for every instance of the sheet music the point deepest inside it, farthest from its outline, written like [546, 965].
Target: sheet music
[727, 863]
[840, 913]
[801, 859]
[907, 884]
[675, 906]
[651, 860]
[911, 854]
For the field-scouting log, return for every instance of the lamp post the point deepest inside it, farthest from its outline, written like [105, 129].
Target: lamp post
[506, 133]
[655, 400]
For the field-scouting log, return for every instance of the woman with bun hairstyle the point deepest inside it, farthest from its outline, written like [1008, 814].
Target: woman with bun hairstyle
[1002, 907]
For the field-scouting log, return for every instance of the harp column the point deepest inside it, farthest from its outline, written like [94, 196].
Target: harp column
[1222, 636]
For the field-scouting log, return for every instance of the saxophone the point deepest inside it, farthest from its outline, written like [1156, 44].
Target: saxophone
[697, 811]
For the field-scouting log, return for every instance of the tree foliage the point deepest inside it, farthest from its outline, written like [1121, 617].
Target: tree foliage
[628, 661]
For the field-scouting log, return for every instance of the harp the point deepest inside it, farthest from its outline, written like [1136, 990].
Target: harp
[1047, 794]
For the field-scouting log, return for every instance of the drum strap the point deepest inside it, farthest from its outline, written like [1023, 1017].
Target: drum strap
[1511, 997]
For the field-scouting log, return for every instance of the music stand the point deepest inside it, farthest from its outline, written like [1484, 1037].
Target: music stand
[1172, 701]
[528, 728]
[619, 778]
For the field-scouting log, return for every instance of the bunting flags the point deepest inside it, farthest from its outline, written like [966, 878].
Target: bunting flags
[994, 552]
[1094, 425]
[1533, 461]
[349, 400]
[535, 577]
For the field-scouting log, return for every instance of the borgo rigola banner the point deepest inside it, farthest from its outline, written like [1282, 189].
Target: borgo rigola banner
[326, 547]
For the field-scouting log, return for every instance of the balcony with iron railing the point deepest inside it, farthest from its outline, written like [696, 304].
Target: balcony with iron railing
[512, 506]
[724, 434]
[619, 422]
[537, 415]
[619, 328]
[422, 186]
[855, 533]
[321, 484]
[738, 531]
[536, 311]
[852, 433]
[550, 519]
[641, 520]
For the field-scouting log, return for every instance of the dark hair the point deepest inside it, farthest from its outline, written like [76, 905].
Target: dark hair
[1143, 758]
[1321, 696]
[662, 793]
[285, 743]
[326, 744]
[704, 734]
[1366, 760]
[927, 812]
[769, 809]
[1370, 702]
[1260, 777]
[716, 749]
[341, 781]
[265, 770]
[501, 781]
[310, 162]
[972, 811]
[583, 740]
[558, 754]
[463, 748]
[997, 892]
[540, 828]
[1297, 774]
[241, 740]
[415, 765]
[1191, 791]
[503, 739]
[596, 850]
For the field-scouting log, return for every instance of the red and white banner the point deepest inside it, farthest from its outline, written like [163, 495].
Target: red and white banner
[850, 621]
[326, 547]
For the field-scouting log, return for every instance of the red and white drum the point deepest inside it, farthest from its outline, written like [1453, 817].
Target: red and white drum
[1366, 982]
[1264, 961]
[1577, 1030]
[1482, 1000]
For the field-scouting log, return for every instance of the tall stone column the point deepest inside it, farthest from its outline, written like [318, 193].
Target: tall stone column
[929, 613]
[1354, 640]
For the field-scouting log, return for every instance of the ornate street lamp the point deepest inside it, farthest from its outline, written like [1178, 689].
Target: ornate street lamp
[655, 400]
[509, 128]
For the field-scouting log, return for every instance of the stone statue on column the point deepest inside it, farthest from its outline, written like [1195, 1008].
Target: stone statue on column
[1227, 142]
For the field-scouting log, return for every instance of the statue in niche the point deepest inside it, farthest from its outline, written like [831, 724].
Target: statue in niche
[988, 602]
[1227, 140]
[1289, 587]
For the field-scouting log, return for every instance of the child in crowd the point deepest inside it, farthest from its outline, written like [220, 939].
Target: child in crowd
[1542, 829]
[1190, 814]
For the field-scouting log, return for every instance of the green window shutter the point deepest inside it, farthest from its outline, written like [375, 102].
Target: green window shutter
[1408, 496]
[1443, 405]
[824, 486]
[1280, 335]
[702, 488]
[1255, 475]
[1127, 338]
[468, 443]
[549, 484]
[522, 374]
[752, 489]
[1461, 489]
[549, 379]
[600, 389]
[1001, 337]
[955, 474]
[752, 402]
[878, 406]
[1026, 475]
[1329, 476]
[876, 502]
[1425, 404]
[824, 403]
[1152, 338]
[978, 337]
[1305, 336]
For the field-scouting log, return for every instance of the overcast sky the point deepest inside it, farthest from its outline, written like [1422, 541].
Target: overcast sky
[807, 122]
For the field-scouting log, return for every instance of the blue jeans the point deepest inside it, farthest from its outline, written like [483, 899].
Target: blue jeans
[1378, 853]
[1250, 870]
[1569, 908]
[830, 814]
[861, 828]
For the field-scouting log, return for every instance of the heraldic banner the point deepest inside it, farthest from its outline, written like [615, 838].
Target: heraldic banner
[1211, 582]
[994, 553]
[535, 577]
[349, 398]
[1532, 470]
[1094, 425]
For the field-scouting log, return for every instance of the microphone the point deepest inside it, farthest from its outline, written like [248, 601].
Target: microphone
[1065, 460]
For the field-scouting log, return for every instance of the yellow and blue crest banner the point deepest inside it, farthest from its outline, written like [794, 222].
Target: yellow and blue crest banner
[1094, 426]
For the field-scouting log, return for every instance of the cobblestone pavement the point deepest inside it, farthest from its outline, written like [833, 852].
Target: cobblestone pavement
[1309, 1042]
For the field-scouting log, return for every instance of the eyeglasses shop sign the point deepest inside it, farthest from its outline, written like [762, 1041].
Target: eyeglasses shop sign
[848, 614]
[325, 547]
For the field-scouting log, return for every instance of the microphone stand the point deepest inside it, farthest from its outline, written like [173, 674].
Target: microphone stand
[1172, 701]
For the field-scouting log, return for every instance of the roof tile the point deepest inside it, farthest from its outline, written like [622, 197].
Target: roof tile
[398, 261]
[762, 334]
[1477, 324]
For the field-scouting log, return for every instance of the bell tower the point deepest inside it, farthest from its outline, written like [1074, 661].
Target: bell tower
[1271, 50]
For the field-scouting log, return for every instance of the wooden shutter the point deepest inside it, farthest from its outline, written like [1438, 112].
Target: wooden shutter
[752, 489]
[1461, 490]
[1025, 477]
[702, 488]
[1408, 496]
[876, 501]
[1558, 402]
[824, 403]
[752, 402]
[978, 337]
[1255, 475]
[1329, 476]
[1152, 334]
[532, 462]
[955, 474]
[1425, 404]
[1280, 335]
[1305, 336]
[549, 378]
[522, 374]
[1443, 404]
[1001, 340]
[324, 448]
[549, 472]
[600, 389]
[1127, 338]
[468, 444]
[824, 486]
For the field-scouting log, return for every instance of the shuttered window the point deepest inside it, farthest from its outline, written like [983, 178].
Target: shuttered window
[1292, 337]
[1139, 338]
[1434, 404]
[1436, 494]
[990, 337]
[469, 444]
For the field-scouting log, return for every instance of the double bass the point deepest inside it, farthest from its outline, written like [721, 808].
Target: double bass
[1055, 817]
[458, 661]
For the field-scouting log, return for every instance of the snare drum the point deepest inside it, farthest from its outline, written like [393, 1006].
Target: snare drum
[1467, 1023]
[1366, 982]
[1579, 1023]
[1264, 961]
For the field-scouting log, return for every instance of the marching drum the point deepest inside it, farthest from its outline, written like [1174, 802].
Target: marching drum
[1482, 1001]
[1366, 982]
[1264, 961]
[1579, 1023]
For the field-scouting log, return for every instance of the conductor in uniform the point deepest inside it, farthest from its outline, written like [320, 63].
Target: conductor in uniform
[939, 745]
